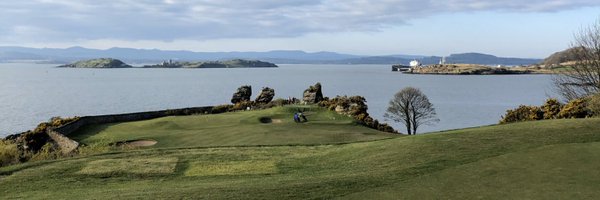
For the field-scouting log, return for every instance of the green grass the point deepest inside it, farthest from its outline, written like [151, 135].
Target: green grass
[236, 129]
[142, 166]
[554, 159]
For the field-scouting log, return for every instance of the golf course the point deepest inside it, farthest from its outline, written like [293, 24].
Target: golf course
[264, 154]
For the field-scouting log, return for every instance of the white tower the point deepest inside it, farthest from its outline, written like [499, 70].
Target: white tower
[443, 60]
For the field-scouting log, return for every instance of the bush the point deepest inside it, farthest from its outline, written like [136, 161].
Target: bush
[356, 107]
[221, 108]
[386, 128]
[593, 105]
[280, 102]
[242, 105]
[9, 153]
[576, 108]
[48, 151]
[58, 121]
[522, 113]
[551, 108]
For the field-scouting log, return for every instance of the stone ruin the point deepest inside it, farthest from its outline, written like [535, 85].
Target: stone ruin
[313, 94]
[265, 96]
[243, 93]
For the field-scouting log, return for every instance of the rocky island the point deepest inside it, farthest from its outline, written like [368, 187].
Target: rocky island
[98, 63]
[235, 63]
[472, 69]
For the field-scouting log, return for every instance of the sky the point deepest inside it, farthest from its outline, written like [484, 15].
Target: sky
[510, 28]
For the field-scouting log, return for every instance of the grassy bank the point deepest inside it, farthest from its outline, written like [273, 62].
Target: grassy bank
[542, 159]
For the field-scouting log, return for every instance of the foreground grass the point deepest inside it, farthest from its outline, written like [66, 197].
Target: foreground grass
[237, 129]
[555, 159]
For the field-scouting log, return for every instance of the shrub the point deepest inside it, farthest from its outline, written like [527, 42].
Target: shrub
[58, 121]
[48, 151]
[280, 102]
[9, 153]
[356, 107]
[242, 105]
[576, 108]
[34, 140]
[385, 128]
[522, 113]
[551, 108]
[221, 108]
[593, 104]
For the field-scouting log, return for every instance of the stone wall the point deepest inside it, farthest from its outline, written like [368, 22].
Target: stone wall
[67, 145]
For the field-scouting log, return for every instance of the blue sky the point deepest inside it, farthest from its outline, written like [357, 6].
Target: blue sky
[515, 28]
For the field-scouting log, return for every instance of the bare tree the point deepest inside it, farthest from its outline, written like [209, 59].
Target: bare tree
[412, 108]
[582, 78]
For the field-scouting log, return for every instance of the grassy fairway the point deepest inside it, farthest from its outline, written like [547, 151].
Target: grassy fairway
[555, 159]
[263, 127]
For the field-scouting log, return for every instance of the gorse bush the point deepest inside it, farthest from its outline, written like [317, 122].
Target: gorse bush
[9, 154]
[575, 109]
[32, 145]
[522, 113]
[593, 104]
[48, 151]
[551, 108]
[221, 108]
[243, 105]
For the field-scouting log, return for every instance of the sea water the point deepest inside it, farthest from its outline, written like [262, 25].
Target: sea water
[32, 93]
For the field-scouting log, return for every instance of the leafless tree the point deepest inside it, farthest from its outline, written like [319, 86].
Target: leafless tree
[582, 78]
[412, 108]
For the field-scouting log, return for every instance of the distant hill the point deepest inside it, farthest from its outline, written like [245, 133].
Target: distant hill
[129, 55]
[561, 57]
[480, 59]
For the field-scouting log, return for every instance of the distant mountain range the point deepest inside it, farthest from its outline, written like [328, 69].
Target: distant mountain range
[129, 55]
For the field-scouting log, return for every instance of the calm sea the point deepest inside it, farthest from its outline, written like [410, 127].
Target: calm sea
[32, 93]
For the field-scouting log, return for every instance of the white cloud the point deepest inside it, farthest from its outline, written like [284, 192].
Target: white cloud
[167, 20]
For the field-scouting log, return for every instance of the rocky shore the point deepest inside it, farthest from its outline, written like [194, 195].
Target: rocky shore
[470, 69]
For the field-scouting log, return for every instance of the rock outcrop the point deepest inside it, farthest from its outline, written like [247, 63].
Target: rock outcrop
[313, 94]
[243, 93]
[265, 96]
[98, 63]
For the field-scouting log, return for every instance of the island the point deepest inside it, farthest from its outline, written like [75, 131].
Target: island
[98, 63]
[235, 63]
[107, 63]
[472, 69]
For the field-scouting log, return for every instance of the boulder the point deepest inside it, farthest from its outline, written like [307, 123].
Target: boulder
[243, 93]
[313, 94]
[265, 96]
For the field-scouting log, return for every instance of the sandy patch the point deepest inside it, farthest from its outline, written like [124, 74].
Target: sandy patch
[277, 121]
